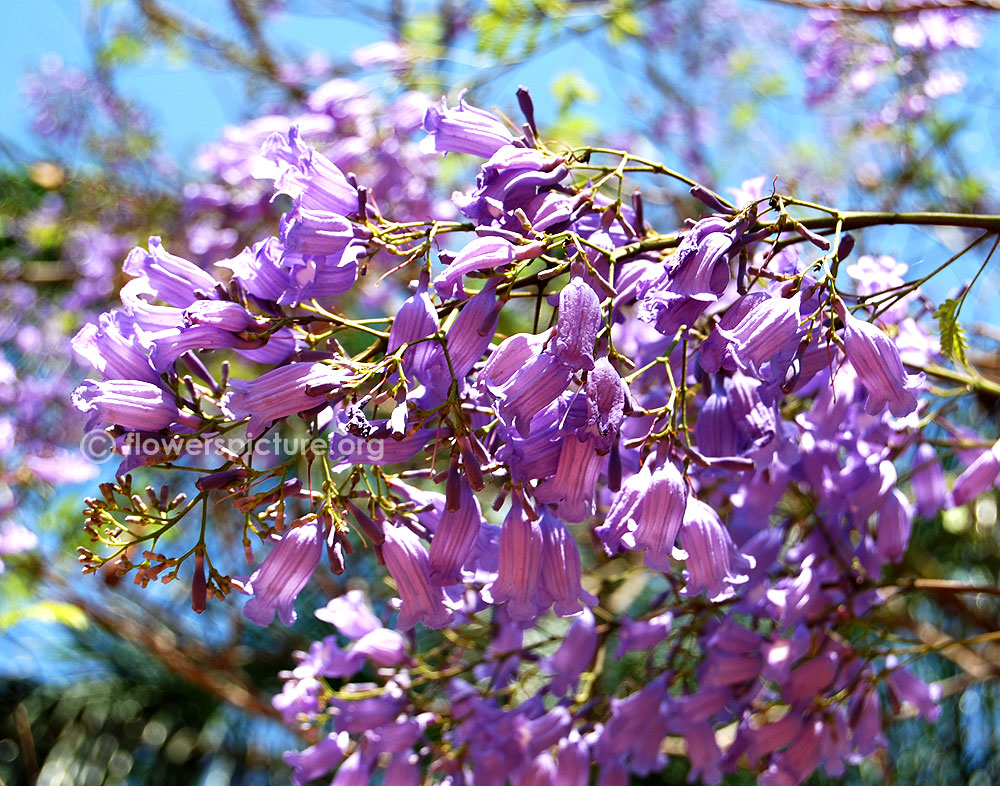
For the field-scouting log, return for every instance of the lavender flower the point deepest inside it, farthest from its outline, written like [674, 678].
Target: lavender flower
[133, 405]
[283, 575]
[580, 320]
[279, 393]
[879, 367]
[464, 129]
[408, 562]
[657, 516]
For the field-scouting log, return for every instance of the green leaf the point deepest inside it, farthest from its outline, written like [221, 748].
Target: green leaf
[122, 49]
[954, 342]
[48, 612]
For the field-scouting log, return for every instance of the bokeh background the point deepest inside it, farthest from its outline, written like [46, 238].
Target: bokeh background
[121, 119]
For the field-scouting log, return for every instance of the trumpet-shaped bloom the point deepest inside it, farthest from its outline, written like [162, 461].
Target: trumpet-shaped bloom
[277, 394]
[877, 362]
[283, 575]
[463, 129]
[408, 563]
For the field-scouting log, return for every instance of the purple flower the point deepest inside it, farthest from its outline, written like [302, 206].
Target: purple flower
[480, 255]
[316, 277]
[133, 405]
[643, 634]
[168, 345]
[573, 759]
[511, 179]
[561, 568]
[114, 352]
[470, 334]
[907, 688]
[607, 394]
[308, 176]
[454, 537]
[317, 760]
[408, 563]
[315, 232]
[379, 447]
[700, 263]
[425, 359]
[770, 327]
[574, 656]
[464, 129]
[523, 379]
[283, 575]
[172, 279]
[929, 490]
[222, 314]
[350, 614]
[895, 522]
[635, 730]
[876, 360]
[657, 517]
[356, 770]
[571, 490]
[980, 475]
[715, 430]
[710, 552]
[519, 573]
[580, 319]
[277, 394]
[259, 271]
[381, 646]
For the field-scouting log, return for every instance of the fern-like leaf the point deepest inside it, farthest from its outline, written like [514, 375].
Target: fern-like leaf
[954, 341]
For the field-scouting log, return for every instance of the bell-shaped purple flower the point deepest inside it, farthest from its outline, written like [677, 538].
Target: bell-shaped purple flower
[113, 351]
[480, 255]
[523, 379]
[259, 269]
[316, 761]
[643, 634]
[283, 575]
[471, 333]
[574, 656]
[770, 327]
[715, 430]
[172, 279]
[464, 129]
[408, 563]
[133, 405]
[277, 394]
[519, 573]
[423, 358]
[658, 517]
[580, 320]
[309, 177]
[979, 476]
[561, 568]
[927, 479]
[511, 179]
[315, 232]
[607, 395]
[320, 276]
[571, 489]
[350, 615]
[711, 553]
[382, 646]
[877, 363]
[573, 758]
[895, 522]
[454, 537]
